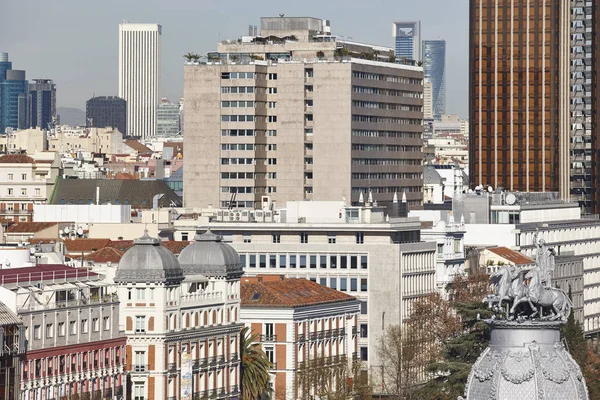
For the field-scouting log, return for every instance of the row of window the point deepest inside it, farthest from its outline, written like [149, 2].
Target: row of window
[386, 189]
[322, 261]
[248, 75]
[11, 191]
[236, 204]
[384, 161]
[248, 175]
[248, 189]
[11, 177]
[386, 78]
[391, 134]
[248, 146]
[386, 92]
[237, 132]
[238, 104]
[248, 161]
[237, 89]
[386, 175]
[384, 147]
[60, 329]
[386, 120]
[237, 118]
[385, 106]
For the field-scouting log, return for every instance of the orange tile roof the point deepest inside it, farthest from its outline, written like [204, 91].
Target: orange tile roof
[288, 293]
[175, 246]
[121, 245]
[137, 146]
[511, 255]
[85, 245]
[29, 227]
[124, 175]
[43, 240]
[16, 159]
[107, 254]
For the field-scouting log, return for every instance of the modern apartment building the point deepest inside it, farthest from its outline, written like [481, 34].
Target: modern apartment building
[25, 181]
[181, 318]
[139, 76]
[107, 111]
[75, 348]
[354, 250]
[308, 331]
[532, 97]
[434, 68]
[264, 118]
[167, 119]
[42, 103]
[407, 40]
[14, 95]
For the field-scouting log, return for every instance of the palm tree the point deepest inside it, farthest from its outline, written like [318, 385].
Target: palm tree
[256, 380]
[189, 57]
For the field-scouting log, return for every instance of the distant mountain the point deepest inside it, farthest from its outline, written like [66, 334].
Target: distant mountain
[71, 116]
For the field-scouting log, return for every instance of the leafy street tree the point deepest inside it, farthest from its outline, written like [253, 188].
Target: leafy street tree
[255, 367]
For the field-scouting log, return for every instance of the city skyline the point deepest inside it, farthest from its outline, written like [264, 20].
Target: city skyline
[188, 26]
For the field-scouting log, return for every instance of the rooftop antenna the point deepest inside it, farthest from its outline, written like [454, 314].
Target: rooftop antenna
[281, 15]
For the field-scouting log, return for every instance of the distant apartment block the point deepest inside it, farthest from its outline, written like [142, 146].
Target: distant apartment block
[107, 111]
[301, 119]
[167, 119]
[407, 40]
[139, 76]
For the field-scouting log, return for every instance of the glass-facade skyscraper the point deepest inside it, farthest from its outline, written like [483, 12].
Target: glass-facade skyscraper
[434, 67]
[107, 111]
[42, 102]
[13, 96]
[407, 41]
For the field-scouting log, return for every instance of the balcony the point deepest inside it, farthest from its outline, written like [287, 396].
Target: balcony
[268, 338]
[235, 389]
[139, 368]
[172, 367]
[273, 366]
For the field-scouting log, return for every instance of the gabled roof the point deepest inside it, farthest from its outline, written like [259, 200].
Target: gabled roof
[138, 147]
[511, 255]
[107, 254]
[137, 193]
[29, 227]
[85, 245]
[288, 293]
[121, 245]
[16, 159]
[8, 317]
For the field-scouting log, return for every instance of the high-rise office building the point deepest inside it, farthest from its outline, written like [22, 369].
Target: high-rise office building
[139, 76]
[533, 82]
[107, 111]
[42, 103]
[434, 68]
[167, 119]
[407, 40]
[427, 100]
[14, 112]
[299, 124]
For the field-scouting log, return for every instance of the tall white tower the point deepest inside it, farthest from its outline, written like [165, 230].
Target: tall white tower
[139, 76]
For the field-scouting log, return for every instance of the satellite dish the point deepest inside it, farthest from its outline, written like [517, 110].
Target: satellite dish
[490, 189]
[67, 230]
[470, 190]
[60, 232]
[80, 231]
[511, 199]
[32, 250]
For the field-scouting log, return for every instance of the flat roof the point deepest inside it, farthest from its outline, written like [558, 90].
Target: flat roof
[45, 273]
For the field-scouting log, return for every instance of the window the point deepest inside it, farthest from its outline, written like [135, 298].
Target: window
[272, 132]
[106, 322]
[276, 237]
[363, 262]
[140, 324]
[139, 392]
[272, 118]
[282, 260]
[10, 191]
[272, 90]
[343, 261]
[37, 332]
[10, 177]
[129, 296]
[271, 104]
[49, 330]
[323, 261]
[273, 261]
[363, 307]
[364, 331]
[72, 328]
[23, 191]
[272, 77]
[313, 261]
[323, 281]
[23, 177]
[332, 261]
[457, 245]
[343, 284]
[440, 248]
[84, 326]
[61, 329]
[263, 261]
[252, 261]
[10, 206]
[292, 261]
[247, 238]
[333, 283]
[364, 354]
[353, 262]
[353, 284]
[303, 237]
[37, 192]
[184, 236]
[225, 75]
[269, 332]
[270, 353]
[95, 324]
[302, 261]
[360, 237]
[243, 260]
[140, 361]
[140, 294]
[331, 238]
[363, 284]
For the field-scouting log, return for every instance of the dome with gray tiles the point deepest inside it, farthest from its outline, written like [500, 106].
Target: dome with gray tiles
[208, 255]
[148, 261]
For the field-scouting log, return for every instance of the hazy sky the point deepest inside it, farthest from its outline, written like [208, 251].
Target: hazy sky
[75, 42]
